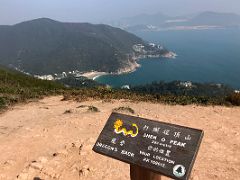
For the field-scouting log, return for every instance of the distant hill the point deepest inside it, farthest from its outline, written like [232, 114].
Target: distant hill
[44, 46]
[216, 19]
[142, 19]
[159, 21]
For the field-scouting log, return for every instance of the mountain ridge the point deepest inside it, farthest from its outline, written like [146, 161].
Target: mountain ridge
[43, 46]
[163, 22]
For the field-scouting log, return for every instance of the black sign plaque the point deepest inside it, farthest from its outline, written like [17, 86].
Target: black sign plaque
[163, 148]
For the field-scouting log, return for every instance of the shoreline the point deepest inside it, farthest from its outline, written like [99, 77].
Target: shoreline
[93, 74]
[130, 67]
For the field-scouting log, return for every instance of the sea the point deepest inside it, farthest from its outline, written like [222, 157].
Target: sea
[210, 55]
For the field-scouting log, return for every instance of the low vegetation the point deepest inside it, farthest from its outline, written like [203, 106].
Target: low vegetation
[124, 109]
[93, 109]
[82, 106]
[102, 93]
[234, 99]
[78, 82]
[90, 108]
[69, 111]
[16, 87]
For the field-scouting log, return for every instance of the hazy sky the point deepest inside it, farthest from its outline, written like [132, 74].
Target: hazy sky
[96, 11]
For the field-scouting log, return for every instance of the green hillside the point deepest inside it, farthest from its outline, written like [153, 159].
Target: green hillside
[17, 87]
[44, 46]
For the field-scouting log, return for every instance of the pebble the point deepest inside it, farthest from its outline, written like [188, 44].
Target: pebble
[37, 166]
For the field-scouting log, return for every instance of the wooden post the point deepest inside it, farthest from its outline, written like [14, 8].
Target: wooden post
[139, 173]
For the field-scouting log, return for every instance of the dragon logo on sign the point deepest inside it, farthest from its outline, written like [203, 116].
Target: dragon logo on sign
[118, 128]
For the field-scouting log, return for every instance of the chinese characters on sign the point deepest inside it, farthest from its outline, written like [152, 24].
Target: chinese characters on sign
[160, 147]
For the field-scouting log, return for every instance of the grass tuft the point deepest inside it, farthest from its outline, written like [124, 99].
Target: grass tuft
[16, 87]
[234, 99]
[82, 106]
[125, 109]
[68, 111]
[93, 109]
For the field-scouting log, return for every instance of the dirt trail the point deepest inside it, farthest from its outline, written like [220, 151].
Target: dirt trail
[42, 139]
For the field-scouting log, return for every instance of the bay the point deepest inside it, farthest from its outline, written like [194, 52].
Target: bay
[203, 56]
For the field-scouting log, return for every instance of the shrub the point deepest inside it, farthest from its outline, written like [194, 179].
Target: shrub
[234, 99]
[2, 102]
[82, 106]
[122, 108]
[93, 109]
[67, 111]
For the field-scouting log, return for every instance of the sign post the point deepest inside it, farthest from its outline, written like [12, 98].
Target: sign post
[139, 173]
[151, 148]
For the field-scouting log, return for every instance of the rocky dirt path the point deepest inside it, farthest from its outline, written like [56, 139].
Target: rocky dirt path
[52, 139]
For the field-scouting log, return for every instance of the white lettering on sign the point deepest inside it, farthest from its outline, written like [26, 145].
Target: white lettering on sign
[177, 143]
[177, 134]
[144, 153]
[122, 143]
[155, 149]
[160, 158]
[114, 140]
[150, 148]
[156, 163]
[161, 144]
[166, 132]
[160, 151]
[145, 128]
[156, 129]
[188, 138]
[107, 147]
[146, 160]
[149, 136]
[168, 153]
[127, 153]
[163, 139]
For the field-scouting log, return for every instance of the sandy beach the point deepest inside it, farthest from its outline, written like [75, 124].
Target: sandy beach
[130, 67]
[52, 139]
[93, 74]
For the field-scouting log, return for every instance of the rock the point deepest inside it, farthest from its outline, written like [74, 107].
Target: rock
[55, 154]
[69, 111]
[22, 176]
[36, 165]
[9, 163]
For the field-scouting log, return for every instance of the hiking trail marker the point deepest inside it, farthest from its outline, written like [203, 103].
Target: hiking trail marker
[161, 148]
